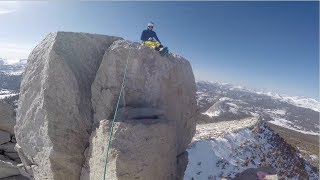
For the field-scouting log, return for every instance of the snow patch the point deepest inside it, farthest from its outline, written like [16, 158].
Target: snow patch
[295, 100]
[225, 99]
[314, 157]
[214, 130]
[4, 93]
[15, 73]
[213, 114]
[280, 112]
[289, 125]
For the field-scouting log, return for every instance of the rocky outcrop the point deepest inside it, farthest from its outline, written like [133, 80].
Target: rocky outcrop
[7, 117]
[9, 158]
[7, 167]
[69, 92]
[157, 120]
[163, 83]
[54, 110]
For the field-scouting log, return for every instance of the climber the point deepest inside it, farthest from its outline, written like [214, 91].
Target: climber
[150, 39]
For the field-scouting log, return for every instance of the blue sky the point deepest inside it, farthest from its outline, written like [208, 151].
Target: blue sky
[271, 46]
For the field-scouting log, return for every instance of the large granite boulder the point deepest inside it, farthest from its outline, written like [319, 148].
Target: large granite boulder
[54, 109]
[156, 120]
[164, 83]
[69, 92]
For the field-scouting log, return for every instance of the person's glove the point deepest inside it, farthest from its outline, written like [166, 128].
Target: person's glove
[150, 39]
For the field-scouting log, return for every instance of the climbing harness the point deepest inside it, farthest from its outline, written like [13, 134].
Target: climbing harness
[114, 117]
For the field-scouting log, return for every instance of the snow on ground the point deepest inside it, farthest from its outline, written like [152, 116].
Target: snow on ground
[6, 93]
[215, 111]
[295, 100]
[303, 102]
[217, 153]
[254, 114]
[225, 99]
[314, 157]
[213, 114]
[204, 96]
[278, 116]
[275, 113]
[14, 73]
[214, 130]
[232, 104]
[280, 112]
[289, 125]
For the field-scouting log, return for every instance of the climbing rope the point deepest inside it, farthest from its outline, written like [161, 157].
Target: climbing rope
[114, 117]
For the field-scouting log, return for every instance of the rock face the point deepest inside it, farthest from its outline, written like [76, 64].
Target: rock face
[7, 167]
[164, 83]
[54, 110]
[69, 92]
[7, 117]
[9, 158]
[18, 177]
[141, 149]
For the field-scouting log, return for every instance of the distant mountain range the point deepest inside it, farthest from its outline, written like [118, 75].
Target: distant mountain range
[220, 101]
[10, 78]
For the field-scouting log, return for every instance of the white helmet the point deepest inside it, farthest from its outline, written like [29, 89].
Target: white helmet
[150, 24]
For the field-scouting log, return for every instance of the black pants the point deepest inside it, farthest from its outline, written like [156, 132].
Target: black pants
[158, 48]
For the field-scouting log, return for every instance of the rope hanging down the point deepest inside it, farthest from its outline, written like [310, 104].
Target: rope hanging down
[114, 117]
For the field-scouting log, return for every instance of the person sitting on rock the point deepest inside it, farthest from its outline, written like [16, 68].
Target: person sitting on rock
[150, 38]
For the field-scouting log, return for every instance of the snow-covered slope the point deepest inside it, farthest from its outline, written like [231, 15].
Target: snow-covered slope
[227, 108]
[295, 100]
[226, 154]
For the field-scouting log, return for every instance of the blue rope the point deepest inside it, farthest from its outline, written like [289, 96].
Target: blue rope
[114, 117]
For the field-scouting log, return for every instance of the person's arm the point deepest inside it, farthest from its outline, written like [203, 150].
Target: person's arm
[156, 37]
